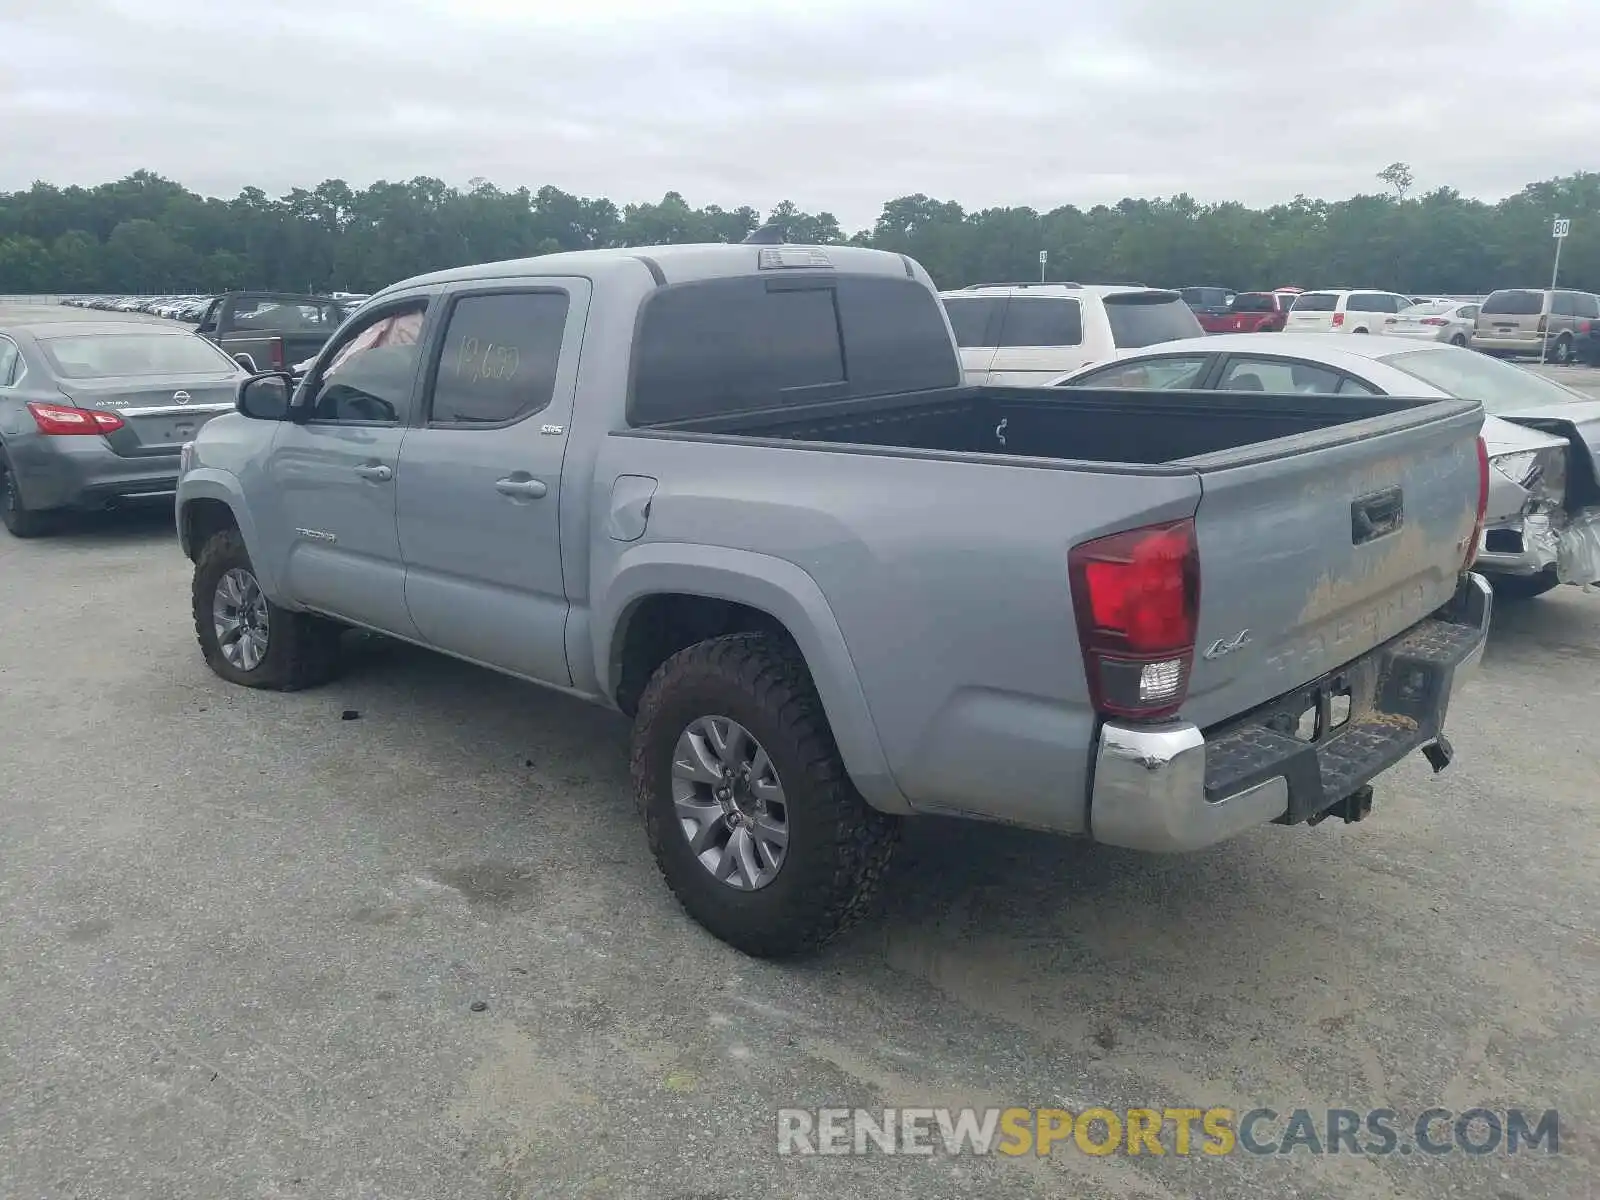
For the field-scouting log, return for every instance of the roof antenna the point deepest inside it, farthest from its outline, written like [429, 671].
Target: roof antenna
[770, 234]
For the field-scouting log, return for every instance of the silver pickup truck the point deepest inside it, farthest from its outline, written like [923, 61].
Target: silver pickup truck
[740, 494]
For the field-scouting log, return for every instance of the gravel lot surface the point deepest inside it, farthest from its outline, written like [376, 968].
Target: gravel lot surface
[242, 938]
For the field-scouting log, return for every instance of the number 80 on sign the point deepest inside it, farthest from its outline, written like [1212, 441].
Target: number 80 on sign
[1560, 227]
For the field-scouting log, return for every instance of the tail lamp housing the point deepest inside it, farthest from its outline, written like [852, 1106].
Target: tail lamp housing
[1483, 505]
[1136, 598]
[66, 420]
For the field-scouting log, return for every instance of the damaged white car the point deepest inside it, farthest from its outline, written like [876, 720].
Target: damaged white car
[1543, 521]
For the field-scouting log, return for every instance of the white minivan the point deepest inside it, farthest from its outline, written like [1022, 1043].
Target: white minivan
[1029, 333]
[1346, 310]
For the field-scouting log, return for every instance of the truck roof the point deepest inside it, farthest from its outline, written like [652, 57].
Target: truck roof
[676, 263]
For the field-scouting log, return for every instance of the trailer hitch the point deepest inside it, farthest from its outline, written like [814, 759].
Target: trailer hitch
[1439, 752]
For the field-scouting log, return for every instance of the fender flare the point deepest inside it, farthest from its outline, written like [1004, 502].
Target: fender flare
[774, 586]
[208, 483]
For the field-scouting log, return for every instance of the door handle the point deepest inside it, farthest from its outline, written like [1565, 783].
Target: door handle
[378, 474]
[521, 489]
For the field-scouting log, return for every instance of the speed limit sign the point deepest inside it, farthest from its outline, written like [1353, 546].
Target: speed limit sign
[1561, 227]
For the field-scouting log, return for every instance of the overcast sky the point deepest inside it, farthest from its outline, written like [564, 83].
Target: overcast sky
[835, 104]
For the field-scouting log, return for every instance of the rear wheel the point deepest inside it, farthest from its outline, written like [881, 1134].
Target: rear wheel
[1523, 587]
[245, 637]
[19, 520]
[1459, 339]
[749, 812]
[1561, 355]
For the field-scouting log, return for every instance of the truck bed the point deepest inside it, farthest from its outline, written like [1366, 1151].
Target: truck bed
[1105, 425]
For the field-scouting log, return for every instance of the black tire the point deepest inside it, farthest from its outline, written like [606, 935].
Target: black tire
[1562, 355]
[1523, 587]
[302, 650]
[1459, 339]
[1358, 331]
[20, 520]
[839, 846]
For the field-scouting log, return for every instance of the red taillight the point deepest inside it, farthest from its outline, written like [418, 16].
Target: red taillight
[1585, 327]
[59, 420]
[1434, 321]
[1338, 319]
[1483, 504]
[275, 353]
[1136, 596]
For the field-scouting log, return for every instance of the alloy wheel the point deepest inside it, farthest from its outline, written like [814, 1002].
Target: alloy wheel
[729, 803]
[239, 611]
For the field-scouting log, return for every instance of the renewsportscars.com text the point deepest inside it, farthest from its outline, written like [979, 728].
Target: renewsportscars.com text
[1164, 1131]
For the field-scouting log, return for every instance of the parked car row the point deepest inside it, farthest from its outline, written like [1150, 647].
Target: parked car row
[1559, 325]
[176, 308]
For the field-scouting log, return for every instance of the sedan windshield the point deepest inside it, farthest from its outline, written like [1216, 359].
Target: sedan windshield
[1498, 386]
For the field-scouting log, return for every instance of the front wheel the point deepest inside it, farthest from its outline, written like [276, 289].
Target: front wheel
[749, 812]
[245, 637]
[1459, 340]
[1562, 354]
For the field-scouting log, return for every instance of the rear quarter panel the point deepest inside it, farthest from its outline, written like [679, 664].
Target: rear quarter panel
[947, 579]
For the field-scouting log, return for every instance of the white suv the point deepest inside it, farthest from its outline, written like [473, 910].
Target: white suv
[1345, 310]
[1030, 333]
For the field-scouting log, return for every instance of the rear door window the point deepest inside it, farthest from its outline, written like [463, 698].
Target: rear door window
[975, 320]
[1513, 303]
[1286, 377]
[1146, 318]
[499, 359]
[1042, 321]
[1165, 374]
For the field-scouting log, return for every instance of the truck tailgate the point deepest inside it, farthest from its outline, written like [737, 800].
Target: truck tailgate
[1309, 560]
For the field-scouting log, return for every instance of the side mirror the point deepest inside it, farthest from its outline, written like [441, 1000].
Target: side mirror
[245, 361]
[266, 397]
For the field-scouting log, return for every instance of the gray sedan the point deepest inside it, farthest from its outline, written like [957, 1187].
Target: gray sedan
[1434, 321]
[95, 412]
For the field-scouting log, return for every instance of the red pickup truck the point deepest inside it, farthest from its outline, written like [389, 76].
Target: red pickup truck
[1250, 312]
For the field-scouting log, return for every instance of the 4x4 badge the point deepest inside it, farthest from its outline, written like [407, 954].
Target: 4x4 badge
[1227, 645]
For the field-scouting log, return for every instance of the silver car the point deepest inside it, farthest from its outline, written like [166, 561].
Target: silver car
[1532, 425]
[1449, 321]
[94, 413]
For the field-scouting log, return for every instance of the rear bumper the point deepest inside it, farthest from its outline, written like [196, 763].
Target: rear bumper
[1174, 788]
[83, 472]
[1526, 344]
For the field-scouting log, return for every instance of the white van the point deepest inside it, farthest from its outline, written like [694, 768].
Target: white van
[1345, 310]
[1029, 333]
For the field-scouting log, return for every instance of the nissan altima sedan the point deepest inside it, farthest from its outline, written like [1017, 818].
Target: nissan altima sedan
[95, 413]
[1543, 439]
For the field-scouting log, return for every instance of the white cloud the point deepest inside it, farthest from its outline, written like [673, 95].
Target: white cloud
[836, 105]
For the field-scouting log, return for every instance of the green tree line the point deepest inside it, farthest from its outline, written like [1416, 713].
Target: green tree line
[148, 234]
